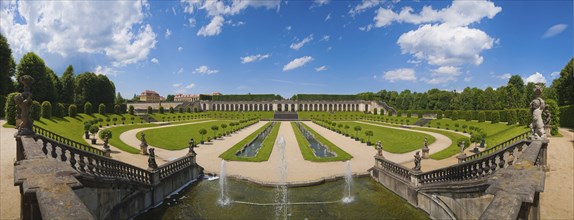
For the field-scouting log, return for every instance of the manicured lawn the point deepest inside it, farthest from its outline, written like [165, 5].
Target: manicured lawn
[263, 153]
[308, 152]
[451, 150]
[331, 116]
[393, 140]
[495, 133]
[402, 120]
[118, 143]
[175, 117]
[177, 137]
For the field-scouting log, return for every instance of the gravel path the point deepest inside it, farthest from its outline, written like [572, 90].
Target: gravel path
[9, 194]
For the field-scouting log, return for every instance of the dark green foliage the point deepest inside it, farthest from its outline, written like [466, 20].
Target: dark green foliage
[248, 97]
[400, 113]
[466, 142]
[180, 110]
[36, 110]
[94, 129]
[188, 110]
[102, 109]
[409, 112]
[495, 117]
[503, 116]
[105, 133]
[43, 87]
[474, 115]
[448, 113]
[117, 109]
[171, 110]
[567, 116]
[564, 85]
[67, 83]
[328, 97]
[88, 108]
[439, 114]
[552, 106]
[468, 116]
[131, 110]
[195, 109]
[7, 71]
[523, 116]
[60, 110]
[10, 109]
[46, 109]
[512, 117]
[161, 109]
[481, 116]
[90, 87]
[454, 115]
[149, 110]
[72, 110]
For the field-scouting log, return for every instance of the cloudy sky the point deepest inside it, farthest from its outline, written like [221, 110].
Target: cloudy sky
[289, 47]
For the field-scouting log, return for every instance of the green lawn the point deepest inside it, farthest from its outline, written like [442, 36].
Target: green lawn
[495, 133]
[393, 140]
[174, 117]
[400, 120]
[177, 137]
[451, 150]
[331, 116]
[263, 153]
[308, 152]
[118, 143]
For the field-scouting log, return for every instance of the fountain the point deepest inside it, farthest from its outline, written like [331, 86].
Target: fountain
[347, 197]
[281, 210]
[223, 198]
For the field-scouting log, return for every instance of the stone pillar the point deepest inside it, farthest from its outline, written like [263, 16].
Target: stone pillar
[143, 145]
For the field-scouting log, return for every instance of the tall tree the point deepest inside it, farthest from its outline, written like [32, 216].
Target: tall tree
[564, 85]
[7, 71]
[31, 64]
[85, 88]
[67, 81]
[56, 86]
[119, 99]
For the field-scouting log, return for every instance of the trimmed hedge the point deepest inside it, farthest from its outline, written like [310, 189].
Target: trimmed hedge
[60, 110]
[73, 110]
[567, 116]
[35, 110]
[131, 110]
[46, 109]
[10, 109]
[88, 108]
[102, 109]
[117, 109]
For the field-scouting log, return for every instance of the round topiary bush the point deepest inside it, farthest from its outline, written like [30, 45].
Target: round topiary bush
[105, 133]
[60, 110]
[72, 110]
[88, 108]
[117, 109]
[102, 109]
[149, 110]
[46, 109]
[10, 109]
[131, 110]
[161, 109]
[35, 110]
[171, 110]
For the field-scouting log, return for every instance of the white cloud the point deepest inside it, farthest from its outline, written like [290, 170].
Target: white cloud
[535, 78]
[364, 5]
[296, 63]
[297, 46]
[191, 22]
[319, 3]
[468, 78]
[406, 74]
[213, 28]
[71, 28]
[555, 30]
[459, 13]
[328, 17]
[205, 70]
[321, 68]
[445, 45]
[325, 38]
[180, 49]
[176, 85]
[105, 70]
[167, 33]
[444, 74]
[190, 86]
[155, 60]
[504, 76]
[219, 9]
[555, 75]
[253, 58]
[288, 28]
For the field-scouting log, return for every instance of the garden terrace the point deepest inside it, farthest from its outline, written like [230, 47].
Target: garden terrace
[308, 153]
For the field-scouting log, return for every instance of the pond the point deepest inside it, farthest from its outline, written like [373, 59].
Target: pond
[319, 149]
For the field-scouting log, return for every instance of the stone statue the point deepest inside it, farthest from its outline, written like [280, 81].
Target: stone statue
[417, 162]
[191, 148]
[426, 142]
[537, 106]
[24, 102]
[152, 165]
[426, 150]
[379, 148]
[143, 145]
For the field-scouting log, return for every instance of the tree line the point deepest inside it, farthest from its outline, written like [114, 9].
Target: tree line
[60, 91]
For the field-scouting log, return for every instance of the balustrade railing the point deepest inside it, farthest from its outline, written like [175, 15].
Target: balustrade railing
[175, 166]
[58, 138]
[499, 146]
[474, 169]
[88, 163]
[396, 169]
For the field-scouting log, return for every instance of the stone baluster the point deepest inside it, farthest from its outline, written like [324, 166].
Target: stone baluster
[501, 160]
[486, 167]
[63, 155]
[45, 146]
[82, 163]
[54, 154]
[73, 159]
[90, 165]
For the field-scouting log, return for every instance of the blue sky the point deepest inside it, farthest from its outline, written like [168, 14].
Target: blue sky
[289, 47]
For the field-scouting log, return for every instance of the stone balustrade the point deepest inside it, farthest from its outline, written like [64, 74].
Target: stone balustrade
[499, 146]
[58, 138]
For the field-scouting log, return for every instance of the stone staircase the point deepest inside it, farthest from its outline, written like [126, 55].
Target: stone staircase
[285, 116]
[422, 122]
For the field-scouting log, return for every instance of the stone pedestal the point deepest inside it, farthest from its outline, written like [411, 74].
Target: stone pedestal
[426, 154]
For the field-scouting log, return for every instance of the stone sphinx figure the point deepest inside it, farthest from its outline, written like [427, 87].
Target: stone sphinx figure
[537, 107]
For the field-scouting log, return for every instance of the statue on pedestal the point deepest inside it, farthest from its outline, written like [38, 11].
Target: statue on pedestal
[417, 162]
[24, 102]
[191, 148]
[143, 145]
[426, 149]
[379, 149]
[537, 106]
[152, 165]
